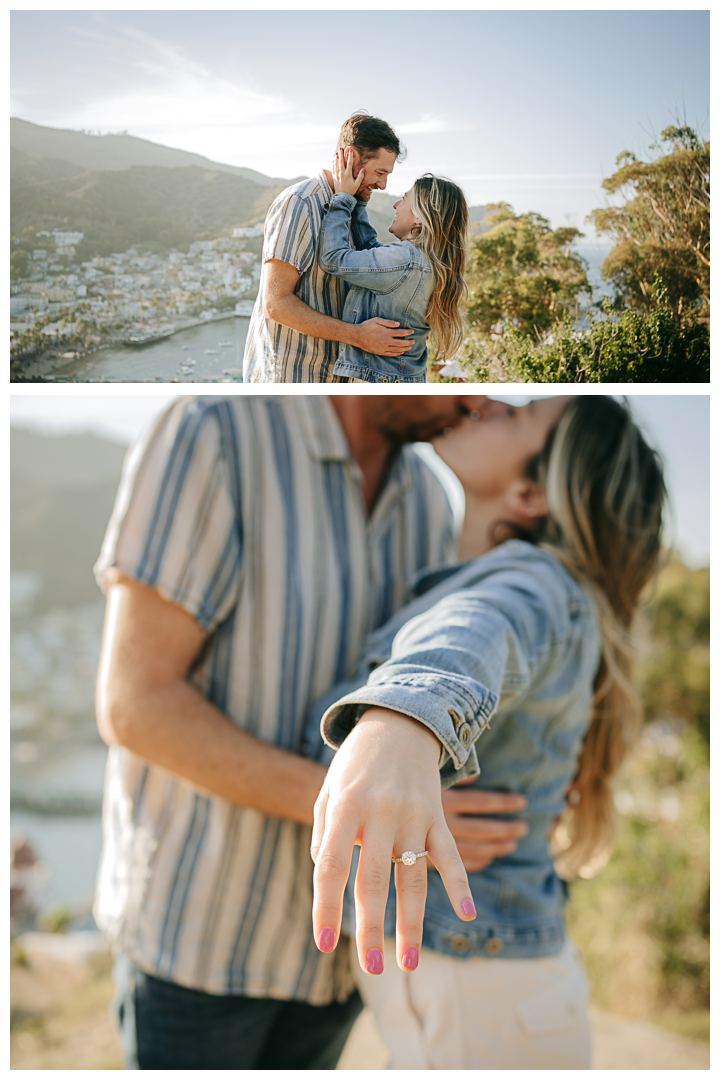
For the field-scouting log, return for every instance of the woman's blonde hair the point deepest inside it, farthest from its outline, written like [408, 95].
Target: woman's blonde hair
[606, 496]
[441, 207]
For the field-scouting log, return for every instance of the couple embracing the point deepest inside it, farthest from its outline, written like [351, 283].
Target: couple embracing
[281, 567]
[335, 304]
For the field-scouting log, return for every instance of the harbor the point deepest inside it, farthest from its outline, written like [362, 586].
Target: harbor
[208, 351]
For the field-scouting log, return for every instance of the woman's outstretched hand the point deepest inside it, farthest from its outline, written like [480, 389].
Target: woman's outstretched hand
[382, 792]
[342, 172]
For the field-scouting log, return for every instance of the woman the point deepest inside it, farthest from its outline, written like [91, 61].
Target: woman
[527, 647]
[417, 281]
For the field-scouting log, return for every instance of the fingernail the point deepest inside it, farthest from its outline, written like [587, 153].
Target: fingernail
[410, 959]
[374, 962]
[468, 908]
[326, 939]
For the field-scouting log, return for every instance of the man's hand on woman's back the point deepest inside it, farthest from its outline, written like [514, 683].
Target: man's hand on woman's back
[480, 839]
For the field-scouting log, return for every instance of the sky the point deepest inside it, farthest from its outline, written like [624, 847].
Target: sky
[531, 107]
[677, 425]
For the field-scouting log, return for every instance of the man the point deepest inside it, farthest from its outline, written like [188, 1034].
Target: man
[297, 319]
[254, 543]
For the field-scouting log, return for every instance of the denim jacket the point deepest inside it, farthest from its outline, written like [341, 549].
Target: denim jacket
[498, 657]
[389, 281]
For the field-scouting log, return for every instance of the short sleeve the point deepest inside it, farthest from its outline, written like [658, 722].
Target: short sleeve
[176, 523]
[289, 233]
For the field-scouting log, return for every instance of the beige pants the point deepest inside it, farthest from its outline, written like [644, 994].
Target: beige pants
[481, 1013]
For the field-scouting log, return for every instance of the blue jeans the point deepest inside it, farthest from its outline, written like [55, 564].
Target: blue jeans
[165, 1026]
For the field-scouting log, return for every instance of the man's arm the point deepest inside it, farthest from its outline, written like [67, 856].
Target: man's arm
[146, 704]
[383, 337]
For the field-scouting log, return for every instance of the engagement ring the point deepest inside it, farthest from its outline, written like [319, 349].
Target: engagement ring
[410, 857]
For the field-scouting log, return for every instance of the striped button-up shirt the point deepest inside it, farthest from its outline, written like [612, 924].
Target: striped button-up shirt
[248, 513]
[277, 353]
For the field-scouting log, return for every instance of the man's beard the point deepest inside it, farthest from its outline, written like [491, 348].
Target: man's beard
[394, 418]
[363, 193]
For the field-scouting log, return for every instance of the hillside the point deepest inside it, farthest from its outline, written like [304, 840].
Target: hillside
[114, 152]
[381, 214]
[62, 489]
[143, 204]
[119, 191]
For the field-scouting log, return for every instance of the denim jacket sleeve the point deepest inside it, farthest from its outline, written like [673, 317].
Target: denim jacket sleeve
[379, 269]
[451, 665]
[363, 233]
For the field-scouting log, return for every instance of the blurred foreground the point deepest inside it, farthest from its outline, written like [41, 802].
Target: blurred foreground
[60, 1020]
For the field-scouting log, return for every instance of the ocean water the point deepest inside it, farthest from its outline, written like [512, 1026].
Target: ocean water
[57, 760]
[68, 847]
[67, 844]
[594, 250]
[193, 355]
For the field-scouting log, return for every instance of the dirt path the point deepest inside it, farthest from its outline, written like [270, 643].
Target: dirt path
[60, 1020]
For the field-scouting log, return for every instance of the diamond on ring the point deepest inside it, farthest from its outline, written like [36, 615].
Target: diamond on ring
[409, 858]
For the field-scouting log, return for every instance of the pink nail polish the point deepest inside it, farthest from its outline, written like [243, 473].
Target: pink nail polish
[468, 908]
[374, 962]
[410, 959]
[326, 939]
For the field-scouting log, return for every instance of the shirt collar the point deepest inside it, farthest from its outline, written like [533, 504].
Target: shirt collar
[326, 441]
[327, 191]
[324, 433]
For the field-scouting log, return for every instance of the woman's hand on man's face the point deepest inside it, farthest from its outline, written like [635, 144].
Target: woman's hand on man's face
[382, 792]
[343, 178]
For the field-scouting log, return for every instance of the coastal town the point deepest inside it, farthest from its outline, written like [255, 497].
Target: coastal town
[70, 308]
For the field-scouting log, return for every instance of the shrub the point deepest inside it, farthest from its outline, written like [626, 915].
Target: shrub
[643, 923]
[629, 347]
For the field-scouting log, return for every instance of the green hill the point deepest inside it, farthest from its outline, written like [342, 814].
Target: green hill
[381, 214]
[120, 191]
[144, 204]
[62, 489]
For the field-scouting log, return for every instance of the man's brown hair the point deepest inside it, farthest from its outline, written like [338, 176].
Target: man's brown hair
[369, 134]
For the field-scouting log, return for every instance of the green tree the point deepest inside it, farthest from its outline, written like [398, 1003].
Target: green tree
[663, 227]
[18, 264]
[676, 678]
[617, 347]
[643, 923]
[522, 273]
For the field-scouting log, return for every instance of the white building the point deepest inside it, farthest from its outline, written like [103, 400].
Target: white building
[59, 295]
[58, 330]
[66, 239]
[253, 230]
